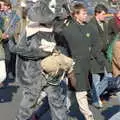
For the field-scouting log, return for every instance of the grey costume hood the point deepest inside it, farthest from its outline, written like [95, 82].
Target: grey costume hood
[48, 12]
[45, 11]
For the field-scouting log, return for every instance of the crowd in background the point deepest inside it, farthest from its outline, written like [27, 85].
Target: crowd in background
[89, 49]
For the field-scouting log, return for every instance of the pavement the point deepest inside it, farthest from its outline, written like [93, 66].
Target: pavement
[10, 98]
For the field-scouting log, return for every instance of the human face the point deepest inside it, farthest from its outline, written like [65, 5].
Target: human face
[4, 6]
[1, 6]
[101, 16]
[81, 17]
[118, 14]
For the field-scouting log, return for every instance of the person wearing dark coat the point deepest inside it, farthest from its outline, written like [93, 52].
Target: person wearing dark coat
[100, 63]
[78, 36]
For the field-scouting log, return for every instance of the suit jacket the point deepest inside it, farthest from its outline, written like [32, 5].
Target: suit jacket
[100, 61]
[78, 40]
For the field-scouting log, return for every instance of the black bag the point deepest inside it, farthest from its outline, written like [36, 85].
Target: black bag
[114, 83]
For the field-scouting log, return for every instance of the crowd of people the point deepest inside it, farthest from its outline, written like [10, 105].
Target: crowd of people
[45, 42]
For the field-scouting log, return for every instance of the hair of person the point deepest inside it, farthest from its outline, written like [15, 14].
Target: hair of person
[7, 2]
[99, 8]
[117, 11]
[77, 7]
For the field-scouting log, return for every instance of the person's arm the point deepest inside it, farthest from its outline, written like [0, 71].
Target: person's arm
[62, 43]
[26, 49]
[96, 51]
[3, 36]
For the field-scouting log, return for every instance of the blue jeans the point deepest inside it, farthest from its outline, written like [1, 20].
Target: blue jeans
[96, 78]
[115, 117]
[95, 81]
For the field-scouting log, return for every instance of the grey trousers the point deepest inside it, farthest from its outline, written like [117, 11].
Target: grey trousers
[55, 99]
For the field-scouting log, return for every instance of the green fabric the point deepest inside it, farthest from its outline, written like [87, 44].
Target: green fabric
[1, 23]
[0, 35]
[2, 52]
[110, 49]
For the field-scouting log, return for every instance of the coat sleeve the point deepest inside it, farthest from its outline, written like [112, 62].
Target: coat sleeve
[62, 43]
[96, 52]
[26, 49]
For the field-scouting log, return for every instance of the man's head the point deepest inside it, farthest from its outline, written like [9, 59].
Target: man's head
[5, 5]
[100, 12]
[79, 12]
[118, 14]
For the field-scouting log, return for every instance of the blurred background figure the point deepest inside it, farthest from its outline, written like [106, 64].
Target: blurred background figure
[99, 64]
[10, 20]
[3, 36]
[114, 26]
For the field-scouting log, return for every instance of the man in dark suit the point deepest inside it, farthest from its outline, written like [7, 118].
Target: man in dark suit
[99, 63]
[78, 36]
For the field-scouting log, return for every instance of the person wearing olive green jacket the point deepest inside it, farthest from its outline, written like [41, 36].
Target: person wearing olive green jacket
[3, 36]
[2, 58]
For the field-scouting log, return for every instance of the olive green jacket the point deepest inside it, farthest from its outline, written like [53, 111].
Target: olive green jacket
[2, 52]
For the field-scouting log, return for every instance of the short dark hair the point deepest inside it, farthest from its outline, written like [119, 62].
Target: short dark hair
[7, 2]
[99, 8]
[77, 7]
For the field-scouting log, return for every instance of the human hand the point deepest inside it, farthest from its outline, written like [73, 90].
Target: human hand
[5, 36]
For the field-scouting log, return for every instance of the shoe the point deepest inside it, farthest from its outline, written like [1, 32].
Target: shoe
[34, 117]
[10, 76]
[98, 104]
[91, 117]
[72, 118]
[1, 85]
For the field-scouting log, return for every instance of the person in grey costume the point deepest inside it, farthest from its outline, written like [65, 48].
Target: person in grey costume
[29, 56]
